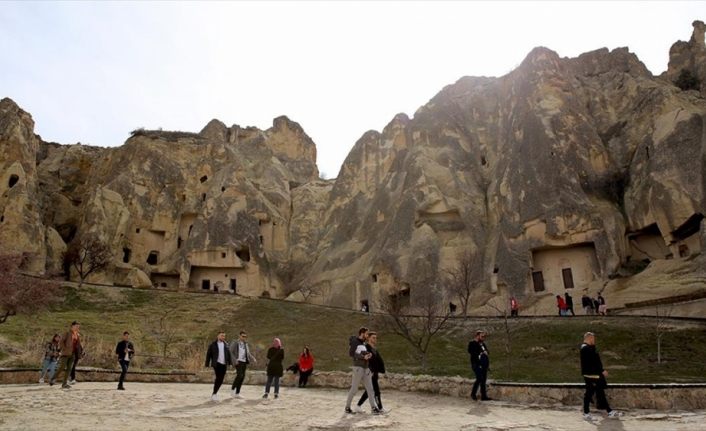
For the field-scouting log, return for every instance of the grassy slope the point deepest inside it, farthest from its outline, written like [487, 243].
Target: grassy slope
[544, 350]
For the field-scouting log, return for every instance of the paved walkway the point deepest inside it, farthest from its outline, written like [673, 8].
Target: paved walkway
[173, 406]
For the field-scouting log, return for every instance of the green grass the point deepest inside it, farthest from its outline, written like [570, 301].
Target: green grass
[543, 350]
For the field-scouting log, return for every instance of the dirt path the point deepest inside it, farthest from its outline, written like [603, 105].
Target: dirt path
[152, 406]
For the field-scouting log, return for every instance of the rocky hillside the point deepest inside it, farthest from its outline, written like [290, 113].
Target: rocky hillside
[559, 176]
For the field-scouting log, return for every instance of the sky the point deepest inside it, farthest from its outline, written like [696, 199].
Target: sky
[91, 72]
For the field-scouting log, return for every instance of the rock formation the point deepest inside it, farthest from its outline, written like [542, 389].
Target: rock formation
[563, 174]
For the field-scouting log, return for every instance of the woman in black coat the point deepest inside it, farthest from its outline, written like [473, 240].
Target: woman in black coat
[275, 356]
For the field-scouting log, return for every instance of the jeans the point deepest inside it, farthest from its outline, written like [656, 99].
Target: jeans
[364, 374]
[271, 379]
[481, 376]
[376, 390]
[64, 366]
[595, 386]
[48, 368]
[304, 377]
[220, 370]
[73, 367]
[240, 368]
[124, 366]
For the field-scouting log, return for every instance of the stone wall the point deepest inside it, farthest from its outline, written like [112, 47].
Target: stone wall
[621, 396]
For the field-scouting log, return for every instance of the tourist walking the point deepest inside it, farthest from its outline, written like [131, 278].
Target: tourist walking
[514, 307]
[376, 366]
[480, 362]
[52, 350]
[124, 350]
[306, 366]
[569, 304]
[70, 350]
[602, 307]
[594, 375]
[361, 372]
[275, 370]
[587, 304]
[241, 356]
[561, 305]
[218, 357]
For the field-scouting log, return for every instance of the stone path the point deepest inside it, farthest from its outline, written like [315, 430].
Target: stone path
[173, 406]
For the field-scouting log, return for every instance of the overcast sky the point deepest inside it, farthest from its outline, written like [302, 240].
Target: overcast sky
[92, 72]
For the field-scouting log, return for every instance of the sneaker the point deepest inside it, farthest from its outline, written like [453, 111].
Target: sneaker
[614, 414]
[486, 399]
[65, 386]
[233, 394]
[474, 398]
[276, 396]
[376, 411]
[51, 382]
[72, 382]
[238, 396]
[349, 411]
[264, 397]
[587, 417]
[120, 388]
[41, 381]
[214, 397]
[357, 409]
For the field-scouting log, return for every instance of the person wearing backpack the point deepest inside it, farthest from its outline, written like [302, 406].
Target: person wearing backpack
[361, 356]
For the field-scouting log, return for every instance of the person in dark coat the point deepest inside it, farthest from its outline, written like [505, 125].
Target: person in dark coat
[480, 362]
[125, 351]
[569, 304]
[376, 366]
[275, 370]
[218, 356]
[594, 376]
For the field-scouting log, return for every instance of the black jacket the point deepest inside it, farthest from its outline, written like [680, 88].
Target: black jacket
[358, 360]
[375, 363]
[212, 354]
[479, 354]
[120, 349]
[274, 365]
[591, 364]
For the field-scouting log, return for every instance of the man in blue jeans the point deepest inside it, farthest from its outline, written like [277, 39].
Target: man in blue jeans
[125, 350]
[480, 362]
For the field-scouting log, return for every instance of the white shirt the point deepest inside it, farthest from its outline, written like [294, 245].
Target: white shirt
[241, 352]
[221, 352]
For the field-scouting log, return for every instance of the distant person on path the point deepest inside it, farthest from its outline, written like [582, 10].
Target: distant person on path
[514, 307]
[70, 347]
[602, 307]
[596, 305]
[240, 354]
[452, 308]
[360, 355]
[275, 356]
[561, 305]
[52, 351]
[569, 304]
[306, 366]
[376, 366]
[587, 304]
[480, 362]
[124, 350]
[218, 357]
[594, 375]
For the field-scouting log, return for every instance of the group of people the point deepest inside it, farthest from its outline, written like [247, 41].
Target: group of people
[63, 352]
[591, 306]
[221, 354]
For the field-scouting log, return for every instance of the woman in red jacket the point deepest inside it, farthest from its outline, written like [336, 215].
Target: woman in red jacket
[306, 366]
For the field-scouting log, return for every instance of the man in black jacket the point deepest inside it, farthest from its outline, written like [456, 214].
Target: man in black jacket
[594, 375]
[125, 350]
[361, 372]
[218, 356]
[480, 362]
[376, 366]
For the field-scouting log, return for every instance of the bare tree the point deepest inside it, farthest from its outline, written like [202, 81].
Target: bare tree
[661, 327]
[418, 323]
[463, 278]
[501, 308]
[162, 331]
[87, 254]
[20, 293]
[311, 291]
